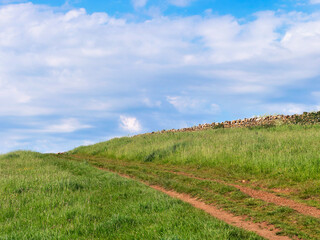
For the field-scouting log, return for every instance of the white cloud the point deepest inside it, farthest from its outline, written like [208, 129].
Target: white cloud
[130, 124]
[16, 102]
[65, 126]
[139, 3]
[98, 105]
[180, 3]
[11, 93]
[10, 142]
[149, 103]
[87, 143]
[315, 1]
[52, 55]
[56, 64]
[289, 108]
[193, 105]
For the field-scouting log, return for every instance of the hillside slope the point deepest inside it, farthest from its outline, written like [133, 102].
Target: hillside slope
[262, 173]
[287, 153]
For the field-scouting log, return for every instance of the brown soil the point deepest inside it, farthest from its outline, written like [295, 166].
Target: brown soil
[268, 197]
[265, 230]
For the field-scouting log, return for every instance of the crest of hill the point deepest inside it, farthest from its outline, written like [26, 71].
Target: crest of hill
[246, 148]
[307, 118]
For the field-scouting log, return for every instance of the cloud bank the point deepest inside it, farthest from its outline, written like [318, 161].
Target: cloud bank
[93, 69]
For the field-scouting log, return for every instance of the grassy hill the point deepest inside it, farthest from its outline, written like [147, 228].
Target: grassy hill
[284, 155]
[43, 197]
[265, 174]
[283, 160]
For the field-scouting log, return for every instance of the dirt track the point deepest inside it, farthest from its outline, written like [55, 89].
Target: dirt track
[267, 231]
[264, 230]
[267, 197]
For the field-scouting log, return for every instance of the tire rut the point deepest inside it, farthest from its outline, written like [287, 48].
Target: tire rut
[267, 197]
[264, 230]
[262, 195]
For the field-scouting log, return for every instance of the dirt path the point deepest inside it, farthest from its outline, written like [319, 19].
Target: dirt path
[262, 195]
[267, 197]
[265, 230]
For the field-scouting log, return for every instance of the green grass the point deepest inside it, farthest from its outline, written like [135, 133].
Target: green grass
[43, 197]
[226, 197]
[64, 197]
[285, 155]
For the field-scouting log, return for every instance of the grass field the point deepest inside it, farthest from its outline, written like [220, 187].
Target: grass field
[288, 154]
[283, 159]
[43, 197]
[48, 196]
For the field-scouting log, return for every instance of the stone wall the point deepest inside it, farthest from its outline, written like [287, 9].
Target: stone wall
[272, 120]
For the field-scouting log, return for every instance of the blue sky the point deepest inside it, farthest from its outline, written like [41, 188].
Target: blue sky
[79, 72]
[183, 7]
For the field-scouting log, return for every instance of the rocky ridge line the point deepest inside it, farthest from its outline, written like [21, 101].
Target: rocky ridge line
[307, 118]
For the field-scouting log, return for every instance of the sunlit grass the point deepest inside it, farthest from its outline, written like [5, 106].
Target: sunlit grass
[289, 153]
[285, 157]
[43, 197]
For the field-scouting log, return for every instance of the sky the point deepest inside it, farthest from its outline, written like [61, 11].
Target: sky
[79, 72]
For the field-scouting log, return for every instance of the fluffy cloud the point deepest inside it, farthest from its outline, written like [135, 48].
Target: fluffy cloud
[130, 124]
[93, 67]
